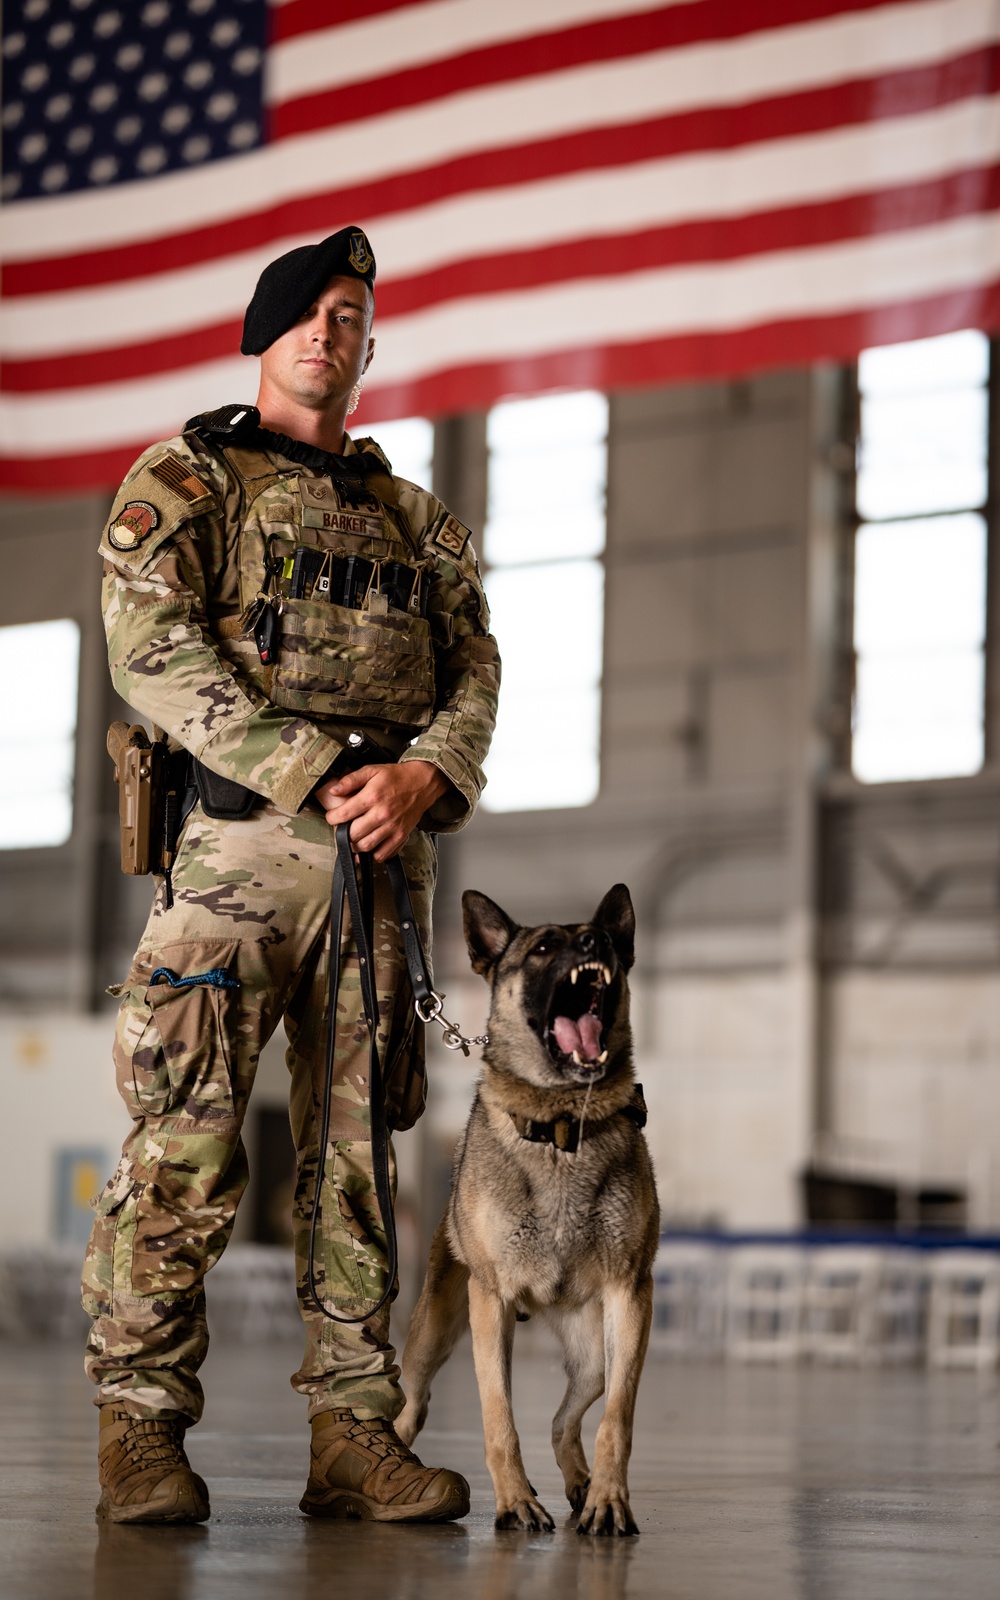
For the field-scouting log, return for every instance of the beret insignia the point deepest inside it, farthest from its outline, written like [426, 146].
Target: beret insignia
[360, 256]
[451, 536]
[134, 523]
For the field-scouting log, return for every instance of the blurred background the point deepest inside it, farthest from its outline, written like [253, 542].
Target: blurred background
[687, 311]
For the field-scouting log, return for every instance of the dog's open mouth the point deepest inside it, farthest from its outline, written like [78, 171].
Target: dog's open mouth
[574, 1031]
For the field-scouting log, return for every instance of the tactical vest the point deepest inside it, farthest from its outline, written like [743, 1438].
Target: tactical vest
[369, 659]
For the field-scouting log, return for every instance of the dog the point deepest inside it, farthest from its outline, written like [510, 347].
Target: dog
[552, 1210]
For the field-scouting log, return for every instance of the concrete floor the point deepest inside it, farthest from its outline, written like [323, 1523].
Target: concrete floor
[789, 1484]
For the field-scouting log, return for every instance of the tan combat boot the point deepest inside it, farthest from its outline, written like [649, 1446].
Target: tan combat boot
[145, 1475]
[364, 1470]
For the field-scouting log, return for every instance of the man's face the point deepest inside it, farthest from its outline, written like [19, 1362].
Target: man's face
[322, 356]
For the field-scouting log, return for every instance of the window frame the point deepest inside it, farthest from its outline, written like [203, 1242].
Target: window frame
[28, 854]
[599, 559]
[844, 461]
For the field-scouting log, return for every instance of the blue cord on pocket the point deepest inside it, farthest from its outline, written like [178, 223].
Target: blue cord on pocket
[217, 978]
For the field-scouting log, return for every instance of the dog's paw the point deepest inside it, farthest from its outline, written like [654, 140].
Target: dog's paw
[577, 1496]
[607, 1515]
[528, 1514]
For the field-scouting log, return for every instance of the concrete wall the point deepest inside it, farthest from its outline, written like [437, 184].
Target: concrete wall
[917, 1084]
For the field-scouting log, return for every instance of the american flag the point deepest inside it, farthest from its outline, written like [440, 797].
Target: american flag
[560, 193]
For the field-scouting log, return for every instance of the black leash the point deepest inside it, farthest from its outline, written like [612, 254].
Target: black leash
[360, 903]
[360, 899]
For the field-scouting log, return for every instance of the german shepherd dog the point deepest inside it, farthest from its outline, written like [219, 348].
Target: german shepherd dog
[552, 1210]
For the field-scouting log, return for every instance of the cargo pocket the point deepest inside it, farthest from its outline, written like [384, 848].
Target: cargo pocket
[104, 1249]
[116, 1191]
[175, 1040]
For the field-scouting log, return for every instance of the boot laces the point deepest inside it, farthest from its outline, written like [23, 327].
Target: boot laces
[154, 1441]
[380, 1438]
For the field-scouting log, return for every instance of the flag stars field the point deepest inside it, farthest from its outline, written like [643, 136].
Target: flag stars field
[89, 93]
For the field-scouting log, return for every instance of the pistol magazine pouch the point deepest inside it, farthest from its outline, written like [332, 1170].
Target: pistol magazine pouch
[223, 799]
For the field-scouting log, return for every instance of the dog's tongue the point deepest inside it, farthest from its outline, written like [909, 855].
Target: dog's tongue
[582, 1035]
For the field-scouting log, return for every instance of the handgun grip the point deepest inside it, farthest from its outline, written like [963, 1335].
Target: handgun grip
[117, 741]
[123, 736]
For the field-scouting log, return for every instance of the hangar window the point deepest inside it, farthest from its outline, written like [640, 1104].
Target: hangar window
[38, 732]
[409, 445]
[920, 559]
[543, 543]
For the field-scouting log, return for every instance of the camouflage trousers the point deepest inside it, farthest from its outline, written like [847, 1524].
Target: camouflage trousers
[245, 944]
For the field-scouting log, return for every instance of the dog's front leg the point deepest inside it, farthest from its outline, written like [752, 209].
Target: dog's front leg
[628, 1312]
[492, 1346]
[439, 1317]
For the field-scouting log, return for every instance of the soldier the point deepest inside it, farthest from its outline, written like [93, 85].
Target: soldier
[271, 587]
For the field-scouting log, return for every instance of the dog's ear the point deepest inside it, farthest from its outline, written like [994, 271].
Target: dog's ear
[617, 917]
[488, 930]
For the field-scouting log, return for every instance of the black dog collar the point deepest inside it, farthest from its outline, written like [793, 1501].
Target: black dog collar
[564, 1130]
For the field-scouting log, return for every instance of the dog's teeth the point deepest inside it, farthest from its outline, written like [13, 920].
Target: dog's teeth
[577, 1057]
[574, 974]
[602, 1058]
[607, 974]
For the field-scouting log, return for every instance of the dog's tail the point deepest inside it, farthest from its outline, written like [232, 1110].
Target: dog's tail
[438, 1322]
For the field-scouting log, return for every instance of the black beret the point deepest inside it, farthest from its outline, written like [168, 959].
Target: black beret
[288, 286]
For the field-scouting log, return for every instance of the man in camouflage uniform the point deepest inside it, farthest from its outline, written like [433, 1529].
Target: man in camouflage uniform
[263, 687]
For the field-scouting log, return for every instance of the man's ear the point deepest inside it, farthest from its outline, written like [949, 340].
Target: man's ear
[616, 916]
[488, 930]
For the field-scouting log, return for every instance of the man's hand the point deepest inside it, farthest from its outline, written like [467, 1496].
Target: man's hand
[383, 804]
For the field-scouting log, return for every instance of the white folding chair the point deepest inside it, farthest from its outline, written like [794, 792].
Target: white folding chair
[964, 1323]
[764, 1288]
[840, 1291]
[251, 1294]
[688, 1299]
[899, 1316]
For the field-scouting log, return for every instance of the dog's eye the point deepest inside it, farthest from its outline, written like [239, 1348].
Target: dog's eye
[541, 948]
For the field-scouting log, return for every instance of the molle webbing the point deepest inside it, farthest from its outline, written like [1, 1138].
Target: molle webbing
[362, 474]
[334, 589]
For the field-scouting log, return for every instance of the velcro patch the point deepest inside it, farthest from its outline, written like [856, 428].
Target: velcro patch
[317, 492]
[452, 536]
[133, 525]
[278, 511]
[335, 521]
[179, 477]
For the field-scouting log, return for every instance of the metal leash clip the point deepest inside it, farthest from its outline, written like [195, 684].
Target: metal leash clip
[431, 1010]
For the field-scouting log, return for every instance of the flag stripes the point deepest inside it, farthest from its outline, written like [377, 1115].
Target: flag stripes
[592, 191]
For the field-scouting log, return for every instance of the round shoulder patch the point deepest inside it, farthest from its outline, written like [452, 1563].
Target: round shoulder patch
[134, 523]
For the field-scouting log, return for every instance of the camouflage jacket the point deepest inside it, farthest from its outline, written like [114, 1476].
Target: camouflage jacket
[192, 533]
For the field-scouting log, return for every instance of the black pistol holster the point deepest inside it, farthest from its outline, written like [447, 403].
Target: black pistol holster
[222, 798]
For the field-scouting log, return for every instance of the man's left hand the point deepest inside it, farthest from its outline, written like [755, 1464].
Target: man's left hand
[383, 804]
